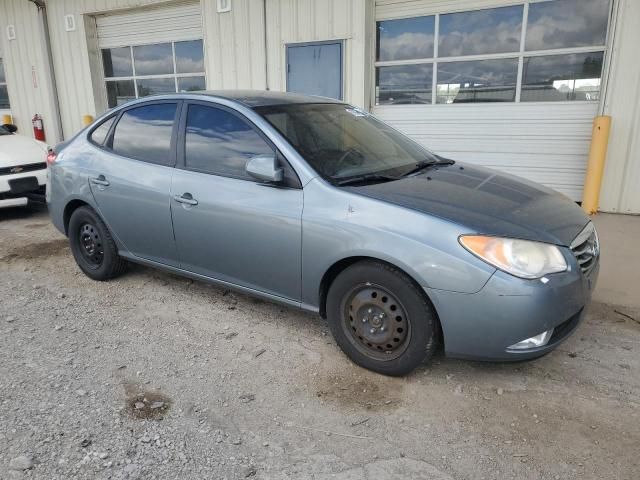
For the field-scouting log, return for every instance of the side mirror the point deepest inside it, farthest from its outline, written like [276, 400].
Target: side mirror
[265, 168]
[10, 127]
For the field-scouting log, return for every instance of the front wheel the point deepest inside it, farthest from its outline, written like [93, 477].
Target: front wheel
[381, 319]
[93, 247]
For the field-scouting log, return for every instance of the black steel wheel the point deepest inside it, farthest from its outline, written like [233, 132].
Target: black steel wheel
[381, 318]
[92, 246]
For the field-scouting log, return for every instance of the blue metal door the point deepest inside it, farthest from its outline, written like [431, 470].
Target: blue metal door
[315, 69]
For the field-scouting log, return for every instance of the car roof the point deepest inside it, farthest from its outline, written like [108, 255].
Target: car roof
[263, 98]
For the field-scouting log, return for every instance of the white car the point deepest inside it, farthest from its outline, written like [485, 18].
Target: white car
[23, 167]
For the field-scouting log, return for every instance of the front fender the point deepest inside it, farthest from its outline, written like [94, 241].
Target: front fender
[337, 224]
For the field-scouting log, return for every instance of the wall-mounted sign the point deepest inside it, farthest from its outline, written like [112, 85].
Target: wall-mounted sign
[11, 32]
[69, 23]
[224, 6]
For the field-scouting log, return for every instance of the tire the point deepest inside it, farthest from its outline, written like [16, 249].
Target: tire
[381, 319]
[93, 247]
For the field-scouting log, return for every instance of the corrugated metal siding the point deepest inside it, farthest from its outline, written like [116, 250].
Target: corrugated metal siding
[234, 45]
[28, 76]
[621, 185]
[547, 143]
[296, 21]
[151, 24]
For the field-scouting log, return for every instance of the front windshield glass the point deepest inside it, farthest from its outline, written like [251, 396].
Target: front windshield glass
[341, 142]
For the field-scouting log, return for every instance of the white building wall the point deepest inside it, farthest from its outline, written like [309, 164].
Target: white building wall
[298, 21]
[28, 75]
[621, 184]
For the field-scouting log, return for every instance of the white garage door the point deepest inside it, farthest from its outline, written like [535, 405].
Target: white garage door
[151, 50]
[508, 85]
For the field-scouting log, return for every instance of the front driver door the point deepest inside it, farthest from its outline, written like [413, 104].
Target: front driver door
[228, 225]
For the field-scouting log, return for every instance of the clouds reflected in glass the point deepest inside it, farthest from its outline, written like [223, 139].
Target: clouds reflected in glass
[405, 39]
[153, 59]
[189, 57]
[404, 84]
[477, 81]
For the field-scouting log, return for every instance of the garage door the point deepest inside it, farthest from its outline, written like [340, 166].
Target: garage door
[509, 86]
[151, 50]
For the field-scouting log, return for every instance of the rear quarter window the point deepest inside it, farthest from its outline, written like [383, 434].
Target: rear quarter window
[99, 134]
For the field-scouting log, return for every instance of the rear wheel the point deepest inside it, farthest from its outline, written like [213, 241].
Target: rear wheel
[380, 318]
[93, 247]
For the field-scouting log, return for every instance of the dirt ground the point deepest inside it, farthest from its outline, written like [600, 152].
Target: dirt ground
[156, 376]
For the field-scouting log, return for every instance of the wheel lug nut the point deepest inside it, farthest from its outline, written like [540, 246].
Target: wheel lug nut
[382, 329]
[370, 310]
[364, 320]
[373, 330]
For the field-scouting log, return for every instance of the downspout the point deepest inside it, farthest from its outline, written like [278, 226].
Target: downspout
[266, 49]
[44, 24]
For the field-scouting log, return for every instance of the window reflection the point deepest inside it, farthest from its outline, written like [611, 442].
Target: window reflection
[156, 86]
[477, 81]
[153, 59]
[191, 84]
[3, 77]
[562, 77]
[120, 91]
[4, 97]
[496, 30]
[567, 23]
[117, 62]
[405, 84]
[405, 39]
[144, 133]
[189, 57]
[220, 143]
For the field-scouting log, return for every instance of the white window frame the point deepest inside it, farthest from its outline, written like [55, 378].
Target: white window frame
[520, 54]
[136, 77]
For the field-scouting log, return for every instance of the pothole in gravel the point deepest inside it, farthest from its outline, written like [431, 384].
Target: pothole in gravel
[145, 405]
[371, 394]
[37, 250]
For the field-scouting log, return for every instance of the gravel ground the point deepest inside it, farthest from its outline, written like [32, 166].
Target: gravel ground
[156, 376]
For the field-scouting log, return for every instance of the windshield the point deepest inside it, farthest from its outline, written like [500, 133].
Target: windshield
[4, 131]
[340, 141]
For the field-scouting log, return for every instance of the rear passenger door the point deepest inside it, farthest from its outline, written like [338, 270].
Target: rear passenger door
[131, 181]
[228, 225]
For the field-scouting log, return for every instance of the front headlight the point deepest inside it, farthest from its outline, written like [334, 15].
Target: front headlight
[521, 258]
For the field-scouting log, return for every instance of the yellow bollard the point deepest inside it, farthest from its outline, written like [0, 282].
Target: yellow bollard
[6, 119]
[87, 120]
[595, 167]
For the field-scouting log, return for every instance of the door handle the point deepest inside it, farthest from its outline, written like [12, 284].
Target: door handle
[100, 180]
[185, 198]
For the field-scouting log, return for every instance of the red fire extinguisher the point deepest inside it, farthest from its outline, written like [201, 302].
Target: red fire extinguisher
[38, 127]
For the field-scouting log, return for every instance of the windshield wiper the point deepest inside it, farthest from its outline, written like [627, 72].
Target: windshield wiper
[427, 164]
[369, 177]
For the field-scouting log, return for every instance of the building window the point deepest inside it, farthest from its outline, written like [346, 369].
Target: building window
[142, 70]
[4, 95]
[535, 51]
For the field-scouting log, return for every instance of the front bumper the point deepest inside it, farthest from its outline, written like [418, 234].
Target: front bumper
[12, 191]
[507, 310]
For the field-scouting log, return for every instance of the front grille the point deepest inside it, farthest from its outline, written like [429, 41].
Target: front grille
[586, 248]
[23, 168]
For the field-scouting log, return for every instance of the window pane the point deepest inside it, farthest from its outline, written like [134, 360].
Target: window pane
[119, 92]
[497, 30]
[405, 39]
[156, 86]
[562, 77]
[4, 97]
[219, 142]
[145, 133]
[100, 134]
[404, 84]
[117, 62]
[189, 57]
[477, 81]
[3, 78]
[153, 59]
[191, 84]
[567, 23]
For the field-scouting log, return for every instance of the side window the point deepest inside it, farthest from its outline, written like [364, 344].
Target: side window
[220, 142]
[144, 133]
[99, 135]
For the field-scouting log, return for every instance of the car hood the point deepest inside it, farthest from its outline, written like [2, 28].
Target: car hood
[485, 201]
[21, 150]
